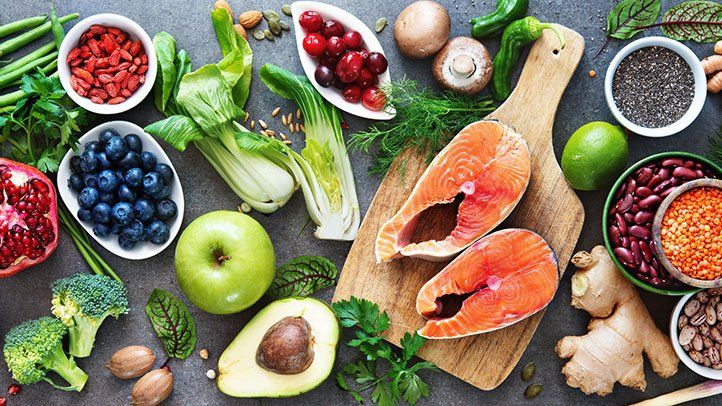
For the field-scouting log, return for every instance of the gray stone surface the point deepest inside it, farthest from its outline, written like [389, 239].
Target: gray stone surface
[26, 295]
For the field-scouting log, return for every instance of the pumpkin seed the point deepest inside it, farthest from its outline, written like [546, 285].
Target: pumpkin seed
[258, 34]
[528, 372]
[532, 390]
[284, 25]
[268, 34]
[286, 9]
[271, 15]
[381, 24]
[274, 27]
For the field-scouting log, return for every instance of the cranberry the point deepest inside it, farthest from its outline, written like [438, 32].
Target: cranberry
[329, 61]
[324, 75]
[376, 63]
[14, 389]
[352, 93]
[349, 66]
[364, 54]
[366, 79]
[352, 39]
[332, 28]
[335, 46]
[314, 44]
[337, 83]
[311, 21]
[374, 99]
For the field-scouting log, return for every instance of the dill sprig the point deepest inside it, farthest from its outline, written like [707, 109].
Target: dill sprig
[715, 148]
[425, 122]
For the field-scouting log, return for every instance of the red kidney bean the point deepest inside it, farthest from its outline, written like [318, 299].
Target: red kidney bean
[668, 191]
[644, 175]
[615, 235]
[643, 192]
[634, 209]
[643, 267]
[650, 201]
[656, 180]
[622, 224]
[663, 186]
[625, 242]
[636, 253]
[684, 173]
[629, 216]
[631, 186]
[643, 217]
[646, 252]
[639, 231]
[664, 173]
[624, 255]
[673, 162]
[699, 173]
[689, 164]
[618, 194]
[625, 204]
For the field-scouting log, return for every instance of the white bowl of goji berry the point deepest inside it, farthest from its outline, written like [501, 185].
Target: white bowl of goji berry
[107, 64]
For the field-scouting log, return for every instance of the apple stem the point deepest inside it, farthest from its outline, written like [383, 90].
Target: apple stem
[165, 364]
[223, 258]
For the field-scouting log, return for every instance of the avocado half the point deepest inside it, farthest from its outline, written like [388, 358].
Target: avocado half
[241, 373]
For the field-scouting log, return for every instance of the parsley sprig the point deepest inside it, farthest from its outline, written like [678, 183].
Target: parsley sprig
[401, 379]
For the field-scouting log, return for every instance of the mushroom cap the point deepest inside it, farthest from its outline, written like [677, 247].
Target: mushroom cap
[463, 65]
[422, 29]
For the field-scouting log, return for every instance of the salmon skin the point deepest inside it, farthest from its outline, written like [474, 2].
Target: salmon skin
[487, 164]
[503, 278]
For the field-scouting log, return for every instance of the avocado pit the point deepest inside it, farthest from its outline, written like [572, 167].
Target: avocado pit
[287, 347]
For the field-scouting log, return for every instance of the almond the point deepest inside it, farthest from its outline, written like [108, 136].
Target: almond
[222, 4]
[250, 19]
[239, 29]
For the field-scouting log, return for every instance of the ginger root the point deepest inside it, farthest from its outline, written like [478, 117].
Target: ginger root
[621, 328]
[712, 66]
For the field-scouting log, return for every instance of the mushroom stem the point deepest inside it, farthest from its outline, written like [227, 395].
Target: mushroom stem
[463, 66]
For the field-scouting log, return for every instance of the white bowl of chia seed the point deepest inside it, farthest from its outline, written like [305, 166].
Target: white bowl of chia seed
[655, 86]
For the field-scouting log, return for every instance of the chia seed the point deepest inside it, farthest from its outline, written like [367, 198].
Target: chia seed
[653, 87]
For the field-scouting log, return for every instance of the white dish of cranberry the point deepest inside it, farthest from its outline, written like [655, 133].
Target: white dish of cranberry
[342, 58]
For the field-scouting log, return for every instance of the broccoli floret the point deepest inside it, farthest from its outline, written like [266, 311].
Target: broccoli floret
[35, 347]
[82, 302]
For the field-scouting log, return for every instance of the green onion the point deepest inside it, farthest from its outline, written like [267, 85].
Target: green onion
[8, 78]
[23, 24]
[699, 391]
[30, 36]
[40, 52]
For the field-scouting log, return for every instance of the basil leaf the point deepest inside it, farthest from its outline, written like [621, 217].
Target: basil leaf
[631, 16]
[303, 276]
[172, 322]
[699, 21]
[176, 130]
[164, 45]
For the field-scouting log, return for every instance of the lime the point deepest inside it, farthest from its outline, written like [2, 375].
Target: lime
[595, 155]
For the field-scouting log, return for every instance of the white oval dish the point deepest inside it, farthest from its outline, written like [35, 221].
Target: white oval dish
[136, 32]
[143, 249]
[700, 86]
[350, 22]
[681, 353]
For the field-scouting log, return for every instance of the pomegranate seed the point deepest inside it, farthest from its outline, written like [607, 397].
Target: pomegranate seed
[14, 389]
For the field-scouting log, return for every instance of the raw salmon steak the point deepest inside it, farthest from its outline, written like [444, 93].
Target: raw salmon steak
[501, 279]
[487, 165]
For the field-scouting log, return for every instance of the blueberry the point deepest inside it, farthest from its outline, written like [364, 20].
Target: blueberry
[104, 161]
[157, 232]
[152, 183]
[165, 171]
[134, 142]
[108, 181]
[75, 164]
[108, 197]
[116, 229]
[101, 212]
[93, 146]
[148, 161]
[125, 243]
[88, 197]
[90, 180]
[126, 194]
[130, 160]
[85, 214]
[101, 229]
[134, 231]
[134, 177]
[89, 161]
[144, 210]
[122, 213]
[115, 148]
[165, 210]
[164, 193]
[120, 173]
[76, 183]
[106, 134]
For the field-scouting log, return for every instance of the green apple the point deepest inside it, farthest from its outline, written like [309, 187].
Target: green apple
[224, 262]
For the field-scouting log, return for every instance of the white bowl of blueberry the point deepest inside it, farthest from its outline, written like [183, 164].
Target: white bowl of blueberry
[123, 189]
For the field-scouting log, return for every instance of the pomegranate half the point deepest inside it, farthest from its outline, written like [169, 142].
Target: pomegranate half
[28, 217]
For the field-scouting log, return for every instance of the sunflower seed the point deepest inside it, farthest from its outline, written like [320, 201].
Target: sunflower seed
[245, 119]
[298, 113]
[286, 9]
[258, 34]
[268, 34]
[283, 120]
[381, 24]
[271, 15]
[253, 124]
[275, 111]
[263, 124]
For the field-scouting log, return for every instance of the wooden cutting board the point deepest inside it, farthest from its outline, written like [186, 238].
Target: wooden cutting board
[549, 207]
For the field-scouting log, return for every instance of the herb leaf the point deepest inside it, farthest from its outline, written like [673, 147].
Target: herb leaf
[303, 276]
[172, 322]
[630, 16]
[699, 21]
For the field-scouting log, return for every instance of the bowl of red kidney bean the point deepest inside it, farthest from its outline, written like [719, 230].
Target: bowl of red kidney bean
[107, 63]
[630, 209]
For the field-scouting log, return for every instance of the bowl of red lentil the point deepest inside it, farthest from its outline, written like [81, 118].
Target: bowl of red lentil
[627, 227]
[687, 233]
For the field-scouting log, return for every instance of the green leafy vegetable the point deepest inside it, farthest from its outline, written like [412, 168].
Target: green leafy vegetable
[230, 41]
[401, 381]
[699, 21]
[425, 122]
[715, 148]
[172, 322]
[164, 45]
[303, 276]
[629, 16]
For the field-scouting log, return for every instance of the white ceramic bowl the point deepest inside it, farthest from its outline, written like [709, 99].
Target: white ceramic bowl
[700, 86]
[674, 335]
[370, 42]
[143, 249]
[135, 32]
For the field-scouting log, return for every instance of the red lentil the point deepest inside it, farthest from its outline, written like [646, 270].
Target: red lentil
[692, 233]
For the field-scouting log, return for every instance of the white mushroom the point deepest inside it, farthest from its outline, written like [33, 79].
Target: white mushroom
[464, 65]
[422, 29]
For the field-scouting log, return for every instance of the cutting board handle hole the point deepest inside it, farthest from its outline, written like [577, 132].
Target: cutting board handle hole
[555, 52]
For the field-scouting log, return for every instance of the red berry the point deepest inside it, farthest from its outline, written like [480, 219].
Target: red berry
[352, 39]
[323, 75]
[364, 53]
[374, 99]
[376, 63]
[14, 389]
[329, 61]
[314, 44]
[332, 28]
[349, 66]
[310, 21]
[351, 93]
[366, 79]
[335, 46]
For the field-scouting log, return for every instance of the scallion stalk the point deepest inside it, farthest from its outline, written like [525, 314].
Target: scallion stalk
[699, 391]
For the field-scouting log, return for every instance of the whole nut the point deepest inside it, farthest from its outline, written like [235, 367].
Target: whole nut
[250, 19]
[131, 362]
[222, 4]
[153, 388]
[711, 315]
[691, 307]
[240, 30]
[686, 334]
